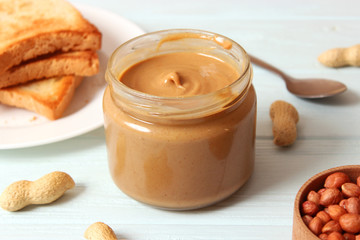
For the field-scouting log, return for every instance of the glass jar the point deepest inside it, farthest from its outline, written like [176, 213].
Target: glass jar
[180, 153]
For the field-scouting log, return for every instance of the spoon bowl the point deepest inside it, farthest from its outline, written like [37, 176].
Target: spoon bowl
[314, 87]
[305, 88]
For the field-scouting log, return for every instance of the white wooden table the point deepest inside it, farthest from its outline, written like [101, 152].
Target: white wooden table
[290, 34]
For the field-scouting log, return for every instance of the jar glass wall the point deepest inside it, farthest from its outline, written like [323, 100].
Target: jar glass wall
[180, 152]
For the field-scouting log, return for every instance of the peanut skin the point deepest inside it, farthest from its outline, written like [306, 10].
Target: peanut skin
[340, 57]
[335, 180]
[284, 117]
[350, 222]
[42, 191]
[99, 231]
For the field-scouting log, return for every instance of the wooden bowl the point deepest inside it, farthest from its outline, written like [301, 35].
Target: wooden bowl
[300, 230]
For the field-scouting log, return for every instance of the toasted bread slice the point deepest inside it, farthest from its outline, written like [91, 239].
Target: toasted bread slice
[48, 97]
[81, 63]
[31, 28]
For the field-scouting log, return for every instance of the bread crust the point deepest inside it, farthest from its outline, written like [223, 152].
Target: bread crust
[30, 28]
[81, 63]
[50, 103]
[48, 40]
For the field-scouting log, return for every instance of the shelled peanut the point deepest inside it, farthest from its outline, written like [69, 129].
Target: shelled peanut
[333, 212]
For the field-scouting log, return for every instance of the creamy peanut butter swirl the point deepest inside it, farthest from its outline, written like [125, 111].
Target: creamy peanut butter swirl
[179, 74]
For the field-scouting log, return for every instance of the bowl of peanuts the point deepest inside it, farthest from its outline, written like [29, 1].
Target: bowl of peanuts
[327, 206]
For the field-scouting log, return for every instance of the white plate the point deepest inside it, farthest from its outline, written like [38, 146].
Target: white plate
[20, 128]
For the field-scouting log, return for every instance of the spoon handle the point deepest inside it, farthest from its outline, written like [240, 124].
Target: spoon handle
[267, 66]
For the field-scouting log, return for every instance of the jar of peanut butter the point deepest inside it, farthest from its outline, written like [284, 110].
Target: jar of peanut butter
[180, 118]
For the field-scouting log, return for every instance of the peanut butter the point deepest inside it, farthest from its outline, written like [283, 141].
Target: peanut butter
[179, 74]
[185, 137]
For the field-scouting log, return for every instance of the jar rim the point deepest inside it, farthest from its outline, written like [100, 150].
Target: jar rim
[169, 100]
